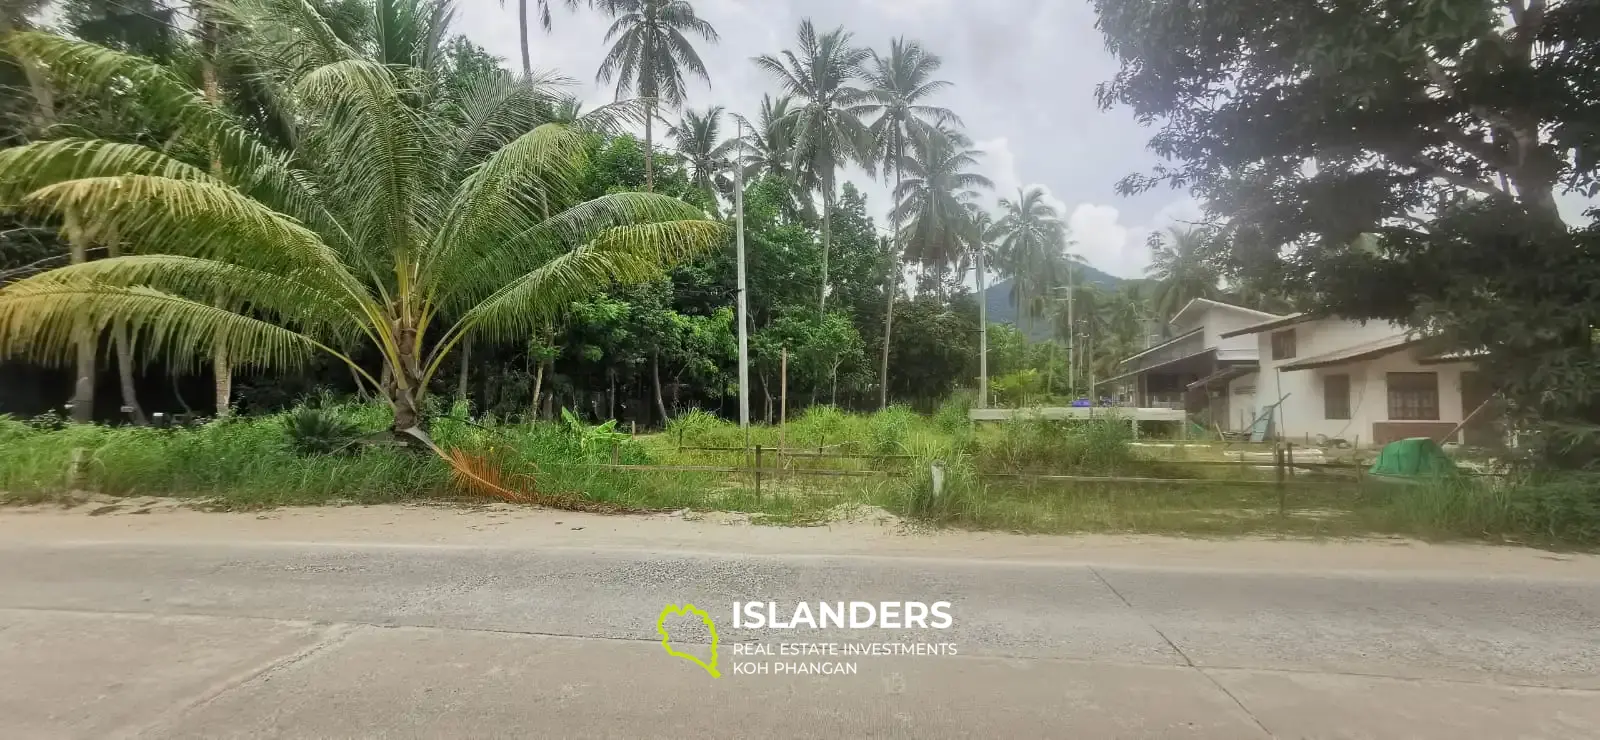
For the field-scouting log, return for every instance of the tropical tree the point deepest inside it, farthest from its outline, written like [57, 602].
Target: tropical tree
[932, 201]
[767, 149]
[897, 85]
[827, 132]
[1030, 238]
[400, 224]
[650, 55]
[708, 158]
[1179, 267]
[567, 109]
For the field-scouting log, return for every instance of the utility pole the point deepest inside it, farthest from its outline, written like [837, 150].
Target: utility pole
[743, 311]
[983, 336]
[1072, 335]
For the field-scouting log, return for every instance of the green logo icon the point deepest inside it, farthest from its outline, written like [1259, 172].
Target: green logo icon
[666, 639]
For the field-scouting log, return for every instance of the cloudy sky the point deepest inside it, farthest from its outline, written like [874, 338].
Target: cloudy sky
[1024, 74]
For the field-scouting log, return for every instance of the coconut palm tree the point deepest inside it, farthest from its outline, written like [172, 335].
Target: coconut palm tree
[1181, 273]
[767, 145]
[1030, 239]
[400, 224]
[932, 200]
[827, 132]
[897, 84]
[567, 109]
[767, 149]
[650, 57]
[708, 158]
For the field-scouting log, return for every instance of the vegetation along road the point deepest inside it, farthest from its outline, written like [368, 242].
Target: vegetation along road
[424, 621]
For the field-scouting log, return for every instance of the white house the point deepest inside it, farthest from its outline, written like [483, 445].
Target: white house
[1368, 384]
[1206, 348]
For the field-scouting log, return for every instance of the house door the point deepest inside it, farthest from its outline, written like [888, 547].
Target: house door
[1219, 407]
[1483, 430]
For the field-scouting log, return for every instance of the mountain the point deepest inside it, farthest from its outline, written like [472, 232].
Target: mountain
[1001, 310]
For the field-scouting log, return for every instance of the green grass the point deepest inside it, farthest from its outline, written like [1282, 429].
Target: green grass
[279, 460]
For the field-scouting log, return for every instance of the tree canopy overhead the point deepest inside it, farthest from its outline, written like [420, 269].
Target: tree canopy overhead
[1391, 159]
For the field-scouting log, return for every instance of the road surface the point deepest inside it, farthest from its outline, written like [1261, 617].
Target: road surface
[124, 629]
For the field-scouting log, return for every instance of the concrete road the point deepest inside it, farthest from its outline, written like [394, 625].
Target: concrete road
[294, 640]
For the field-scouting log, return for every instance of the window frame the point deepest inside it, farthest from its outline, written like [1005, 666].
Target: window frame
[1328, 407]
[1409, 398]
[1286, 350]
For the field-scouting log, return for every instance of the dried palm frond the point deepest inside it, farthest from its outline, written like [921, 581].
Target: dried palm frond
[480, 476]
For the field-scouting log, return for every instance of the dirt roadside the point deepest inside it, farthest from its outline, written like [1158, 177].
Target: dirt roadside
[865, 534]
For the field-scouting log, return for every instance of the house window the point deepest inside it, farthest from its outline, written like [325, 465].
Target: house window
[1283, 345]
[1336, 396]
[1414, 396]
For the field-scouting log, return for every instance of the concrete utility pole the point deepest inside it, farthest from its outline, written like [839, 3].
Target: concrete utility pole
[1072, 335]
[983, 335]
[743, 311]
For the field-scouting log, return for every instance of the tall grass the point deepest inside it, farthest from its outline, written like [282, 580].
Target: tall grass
[269, 461]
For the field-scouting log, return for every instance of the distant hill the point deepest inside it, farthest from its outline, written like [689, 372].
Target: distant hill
[1001, 311]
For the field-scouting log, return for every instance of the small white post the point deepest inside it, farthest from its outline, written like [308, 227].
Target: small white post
[937, 472]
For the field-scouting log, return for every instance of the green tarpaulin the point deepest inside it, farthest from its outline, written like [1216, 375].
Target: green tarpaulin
[1418, 457]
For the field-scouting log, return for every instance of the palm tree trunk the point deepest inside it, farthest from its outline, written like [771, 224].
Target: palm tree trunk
[655, 377]
[403, 383]
[827, 240]
[84, 339]
[649, 148]
[466, 369]
[43, 117]
[538, 383]
[522, 18]
[892, 288]
[221, 368]
[119, 342]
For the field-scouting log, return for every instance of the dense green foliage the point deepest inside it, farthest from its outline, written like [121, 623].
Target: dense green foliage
[1399, 161]
[642, 353]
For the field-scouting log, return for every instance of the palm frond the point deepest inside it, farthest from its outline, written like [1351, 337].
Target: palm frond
[171, 102]
[381, 156]
[197, 218]
[622, 255]
[44, 320]
[27, 168]
[513, 191]
[294, 299]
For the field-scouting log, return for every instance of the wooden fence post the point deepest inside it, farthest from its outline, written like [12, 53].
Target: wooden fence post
[1288, 453]
[758, 472]
[783, 401]
[1278, 459]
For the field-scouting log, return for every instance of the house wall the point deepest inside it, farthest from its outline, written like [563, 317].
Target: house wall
[1303, 414]
[1218, 321]
[1241, 402]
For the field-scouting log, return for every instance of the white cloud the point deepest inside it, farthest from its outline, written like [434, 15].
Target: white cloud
[1106, 243]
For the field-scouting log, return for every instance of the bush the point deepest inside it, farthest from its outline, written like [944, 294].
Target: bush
[1563, 508]
[1027, 442]
[314, 431]
[961, 482]
[1016, 389]
[954, 415]
[890, 429]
